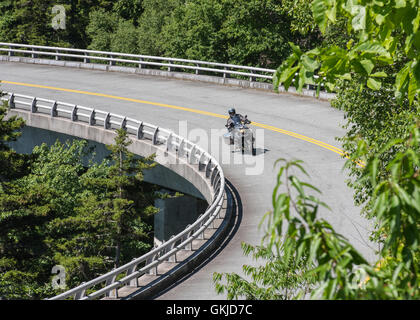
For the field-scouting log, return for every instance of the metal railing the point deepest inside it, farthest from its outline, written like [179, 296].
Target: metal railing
[178, 146]
[140, 61]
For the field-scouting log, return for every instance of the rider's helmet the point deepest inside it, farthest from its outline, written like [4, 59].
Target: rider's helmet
[232, 112]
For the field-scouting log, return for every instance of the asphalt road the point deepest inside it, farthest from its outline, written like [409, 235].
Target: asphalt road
[173, 103]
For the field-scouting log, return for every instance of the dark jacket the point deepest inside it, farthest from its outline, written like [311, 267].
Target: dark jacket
[232, 120]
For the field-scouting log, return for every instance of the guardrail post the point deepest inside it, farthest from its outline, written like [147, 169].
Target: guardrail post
[191, 155]
[188, 246]
[200, 163]
[111, 63]
[201, 235]
[141, 65]
[153, 270]
[33, 105]
[86, 60]
[11, 53]
[54, 109]
[169, 142]
[226, 75]
[92, 120]
[80, 294]
[169, 68]
[172, 258]
[12, 101]
[114, 292]
[181, 148]
[57, 57]
[133, 282]
[149, 261]
[74, 113]
[155, 134]
[208, 169]
[33, 55]
[252, 79]
[140, 133]
[106, 121]
[123, 124]
[213, 175]
[196, 70]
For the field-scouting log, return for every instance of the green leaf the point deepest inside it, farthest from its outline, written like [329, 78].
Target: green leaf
[412, 89]
[346, 76]
[379, 74]
[319, 8]
[374, 84]
[331, 13]
[287, 77]
[402, 77]
[400, 4]
[309, 64]
[371, 47]
[367, 65]
[296, 49]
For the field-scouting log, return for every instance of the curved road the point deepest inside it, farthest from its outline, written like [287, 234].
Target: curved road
[166, 102]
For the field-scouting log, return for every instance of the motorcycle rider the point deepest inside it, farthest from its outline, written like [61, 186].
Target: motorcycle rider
[234, 118]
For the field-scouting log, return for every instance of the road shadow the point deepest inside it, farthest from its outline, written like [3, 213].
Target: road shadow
[258, 151]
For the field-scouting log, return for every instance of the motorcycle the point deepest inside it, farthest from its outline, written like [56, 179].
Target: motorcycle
[241, 135]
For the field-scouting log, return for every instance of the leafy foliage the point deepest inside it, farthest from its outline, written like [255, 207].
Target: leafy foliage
[384, 32]
[9, 131]
[225, 31]
[337, 270]
[279, 278]
[241, 32]
[154, 18]
[377, 118]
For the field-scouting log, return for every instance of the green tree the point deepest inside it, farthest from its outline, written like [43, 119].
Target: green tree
[384, 33]
[28, 204]
[125, 174]
[109, 32]
[256, 32]
[129, 9]
[125, 38]
[12, 165]
[112, 222]
[377, 118]
[72, 212]
[151, 22]
[241, 32]
[101, 27]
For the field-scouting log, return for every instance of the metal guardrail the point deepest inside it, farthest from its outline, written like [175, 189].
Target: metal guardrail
[112, 58]
[178, 146]
[142, 61]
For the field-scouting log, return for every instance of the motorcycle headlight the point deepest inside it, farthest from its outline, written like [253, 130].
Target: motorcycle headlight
[242, 131]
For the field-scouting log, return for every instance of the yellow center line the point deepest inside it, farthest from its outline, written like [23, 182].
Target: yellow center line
[211, 114]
